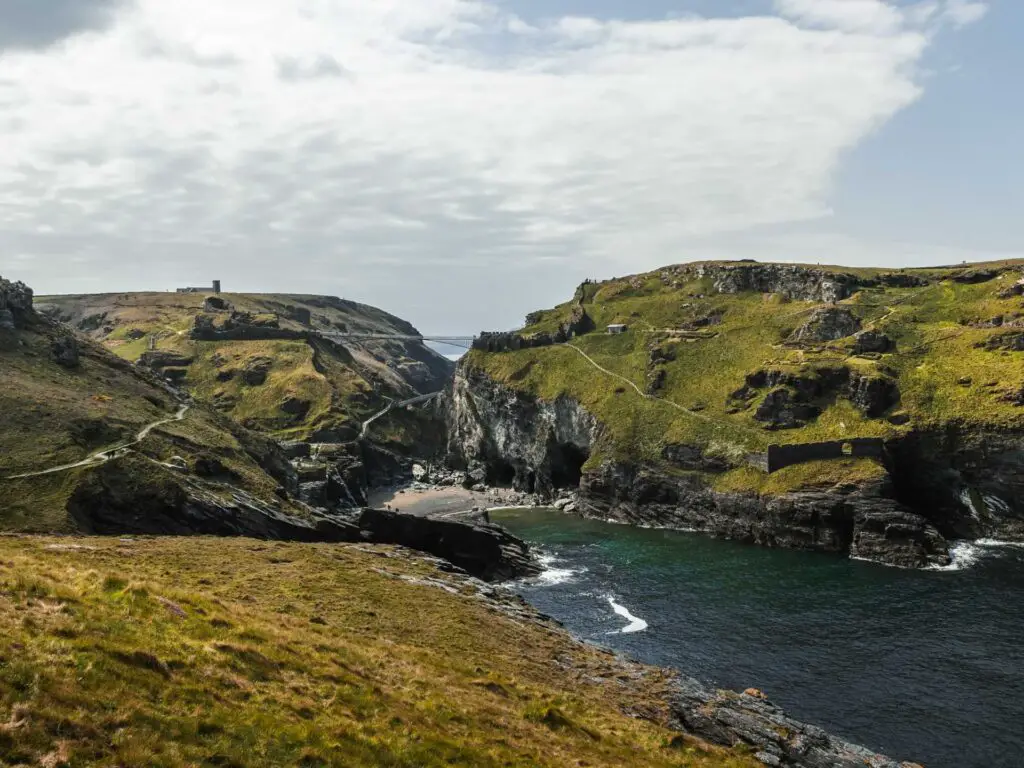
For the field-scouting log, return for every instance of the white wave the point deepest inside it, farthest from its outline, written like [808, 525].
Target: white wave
[964, 554]
[999, 543]
[635, 624]
[552, 576]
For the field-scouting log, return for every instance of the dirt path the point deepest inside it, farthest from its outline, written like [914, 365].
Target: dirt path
[694, 414]
[102, 457]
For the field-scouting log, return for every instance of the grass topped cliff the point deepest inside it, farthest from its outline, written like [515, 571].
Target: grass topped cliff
[62, 401]
[185, 652]
[734, 356]
[257, 358]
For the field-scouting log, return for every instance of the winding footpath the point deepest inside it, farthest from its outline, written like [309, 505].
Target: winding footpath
[391, 406]
[102, 457]
[695, 414]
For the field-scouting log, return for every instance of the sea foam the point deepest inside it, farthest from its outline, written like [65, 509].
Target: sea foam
[635, 624]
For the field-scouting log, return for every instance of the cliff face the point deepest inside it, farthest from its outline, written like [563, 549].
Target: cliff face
[505, 438]
[662, 425]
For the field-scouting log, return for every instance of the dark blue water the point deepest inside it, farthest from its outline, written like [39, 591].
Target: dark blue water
[921, 665]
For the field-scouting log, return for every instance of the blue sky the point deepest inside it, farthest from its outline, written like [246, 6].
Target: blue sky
[462, 162]
[948, 169]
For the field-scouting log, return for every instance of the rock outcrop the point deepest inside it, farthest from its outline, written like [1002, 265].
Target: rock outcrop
[118, 498]
[779, 741]
[504, 438]
[796, 281]
[15, 303]
[867, 342]
[488, 552]
[64, 351]
[829, 324]
[861, 521]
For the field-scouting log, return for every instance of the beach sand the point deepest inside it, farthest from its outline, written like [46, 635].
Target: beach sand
[440, 502]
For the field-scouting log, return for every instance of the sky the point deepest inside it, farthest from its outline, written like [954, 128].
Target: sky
[463, 162]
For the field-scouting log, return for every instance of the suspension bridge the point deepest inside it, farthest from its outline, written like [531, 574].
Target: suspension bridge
[466, 342]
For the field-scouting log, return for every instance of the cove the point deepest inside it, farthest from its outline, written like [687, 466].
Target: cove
[919, 665]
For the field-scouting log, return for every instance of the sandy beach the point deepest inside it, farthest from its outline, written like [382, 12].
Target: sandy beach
[442, 502]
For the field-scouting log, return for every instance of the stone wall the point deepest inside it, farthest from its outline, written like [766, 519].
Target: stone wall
[782, 456]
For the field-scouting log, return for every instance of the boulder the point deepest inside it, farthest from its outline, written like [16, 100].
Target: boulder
[64, 351]
[899, 538]
[828, 324]
[419, 473]
[871, 341]
[256, 371]
[6, 320]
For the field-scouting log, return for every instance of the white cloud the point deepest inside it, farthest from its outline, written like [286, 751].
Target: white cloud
[963, 12]
[317, 144]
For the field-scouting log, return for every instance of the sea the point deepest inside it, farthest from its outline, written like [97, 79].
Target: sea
[919, 665]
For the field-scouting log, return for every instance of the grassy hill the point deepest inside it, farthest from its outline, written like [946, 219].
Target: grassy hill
[270, 374]
[716, 345]
[185, 652]
[53, 414]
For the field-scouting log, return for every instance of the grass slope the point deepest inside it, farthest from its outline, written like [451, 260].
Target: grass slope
[51, 416]
[342, 383]
[175, 652]
[943, 375]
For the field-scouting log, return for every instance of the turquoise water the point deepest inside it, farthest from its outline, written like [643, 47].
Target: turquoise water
[922, 665]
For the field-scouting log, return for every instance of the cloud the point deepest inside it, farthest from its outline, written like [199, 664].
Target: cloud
[441, 158]
[296, 69]
[962, 12]
[40, 23]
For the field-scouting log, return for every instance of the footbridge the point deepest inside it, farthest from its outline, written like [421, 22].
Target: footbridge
[453, 341]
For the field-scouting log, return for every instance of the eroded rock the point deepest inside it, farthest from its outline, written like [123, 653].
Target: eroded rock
[829, 324]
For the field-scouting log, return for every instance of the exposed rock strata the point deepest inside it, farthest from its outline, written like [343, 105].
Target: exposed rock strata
[943, 486]
[796, 282]
[860, 521]
[112, 501]
[829, 324]
[729, 718]
[15, 303]
[516, 440]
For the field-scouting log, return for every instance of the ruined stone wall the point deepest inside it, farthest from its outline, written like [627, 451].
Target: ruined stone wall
[782, 456]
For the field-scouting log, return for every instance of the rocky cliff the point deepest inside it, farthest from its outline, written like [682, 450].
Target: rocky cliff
[669, 423]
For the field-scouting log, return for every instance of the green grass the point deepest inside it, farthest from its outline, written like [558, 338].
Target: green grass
[51, 416]
[338, 383]
[191, 652]
[935, 351]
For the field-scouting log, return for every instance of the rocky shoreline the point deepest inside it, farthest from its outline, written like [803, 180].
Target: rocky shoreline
[725, 718]
[537, 448]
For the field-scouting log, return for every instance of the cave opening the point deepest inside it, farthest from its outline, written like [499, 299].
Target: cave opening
[567, 465]
[501, 474]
